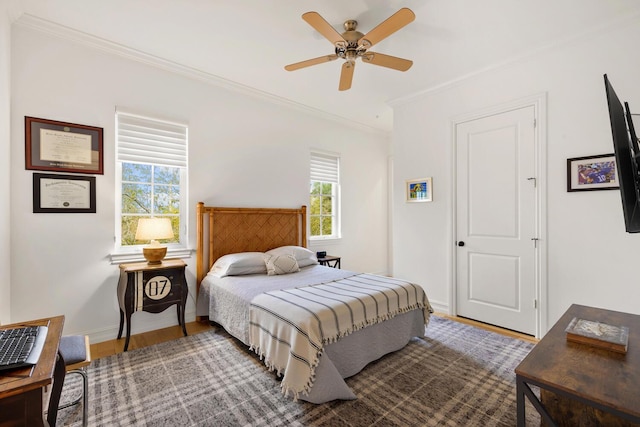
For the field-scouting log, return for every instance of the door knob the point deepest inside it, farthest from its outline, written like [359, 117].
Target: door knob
[460, 243]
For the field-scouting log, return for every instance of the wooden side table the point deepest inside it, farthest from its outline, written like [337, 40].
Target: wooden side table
[152, 288]
[330, 261]
[596, 378]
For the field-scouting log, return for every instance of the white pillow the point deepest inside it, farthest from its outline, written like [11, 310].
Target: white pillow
[281, 264]
[304, 256]
[239, 264]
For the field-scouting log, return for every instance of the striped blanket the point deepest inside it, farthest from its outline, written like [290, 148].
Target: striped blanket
[289, 328]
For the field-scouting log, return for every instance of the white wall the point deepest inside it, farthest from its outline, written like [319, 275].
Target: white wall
[5, 151]
[243, 151]
[591, 260]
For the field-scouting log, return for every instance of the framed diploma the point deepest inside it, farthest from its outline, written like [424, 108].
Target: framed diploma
[64, 193]
[62, 147]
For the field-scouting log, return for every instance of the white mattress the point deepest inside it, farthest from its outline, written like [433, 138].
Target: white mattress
[227, 300]
[229, 297]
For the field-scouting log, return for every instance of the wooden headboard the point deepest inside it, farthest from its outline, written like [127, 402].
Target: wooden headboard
[222, 231]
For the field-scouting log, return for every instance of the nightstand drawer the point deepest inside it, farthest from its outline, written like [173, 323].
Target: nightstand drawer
[152, 288]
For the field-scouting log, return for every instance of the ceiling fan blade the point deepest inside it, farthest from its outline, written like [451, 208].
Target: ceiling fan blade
[323, 27]
[310, 62]
[346, 75]
[387, 61]
[392, 24]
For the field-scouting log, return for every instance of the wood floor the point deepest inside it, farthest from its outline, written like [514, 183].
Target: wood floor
[108, 348]
[491, 328]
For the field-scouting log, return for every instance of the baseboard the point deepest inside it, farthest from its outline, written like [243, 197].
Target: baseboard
[140, 322]
[439, 307]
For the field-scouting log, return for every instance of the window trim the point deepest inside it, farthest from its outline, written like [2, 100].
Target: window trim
[330, 174]
[134, 252]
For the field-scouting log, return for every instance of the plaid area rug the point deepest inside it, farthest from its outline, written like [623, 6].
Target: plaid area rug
[458, 375]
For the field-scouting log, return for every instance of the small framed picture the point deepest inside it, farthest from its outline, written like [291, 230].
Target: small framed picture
[419, 190]
[63, 147]
[592, 173]
[54, 193]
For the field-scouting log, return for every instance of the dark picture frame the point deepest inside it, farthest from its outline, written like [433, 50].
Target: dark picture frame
[63, 147]
[592, 173]
[54, 193]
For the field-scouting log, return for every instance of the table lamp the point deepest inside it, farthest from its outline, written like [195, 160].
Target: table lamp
[153, 229]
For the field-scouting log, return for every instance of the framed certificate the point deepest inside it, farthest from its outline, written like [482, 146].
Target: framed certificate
[64, 193]
[63, 147]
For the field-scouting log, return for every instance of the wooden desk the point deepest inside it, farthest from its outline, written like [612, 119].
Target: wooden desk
[23, 391]
[601, 379]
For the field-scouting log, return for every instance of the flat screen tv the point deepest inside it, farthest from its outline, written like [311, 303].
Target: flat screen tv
[625, 147]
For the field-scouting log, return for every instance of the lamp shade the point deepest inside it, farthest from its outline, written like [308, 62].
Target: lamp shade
[154, 229]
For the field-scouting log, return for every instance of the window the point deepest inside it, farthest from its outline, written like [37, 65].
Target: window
[151, 177]
[324, 213]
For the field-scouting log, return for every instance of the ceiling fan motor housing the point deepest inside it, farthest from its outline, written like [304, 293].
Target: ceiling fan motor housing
[351, 50]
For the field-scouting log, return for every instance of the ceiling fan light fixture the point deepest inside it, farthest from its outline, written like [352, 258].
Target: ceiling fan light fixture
[353, 44]
[364, 44]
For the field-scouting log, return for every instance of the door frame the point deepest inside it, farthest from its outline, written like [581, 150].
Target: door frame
[539, 103]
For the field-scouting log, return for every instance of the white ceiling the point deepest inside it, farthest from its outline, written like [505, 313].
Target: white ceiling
[250, 41]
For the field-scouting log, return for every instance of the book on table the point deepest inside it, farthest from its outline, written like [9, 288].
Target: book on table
[598, 334]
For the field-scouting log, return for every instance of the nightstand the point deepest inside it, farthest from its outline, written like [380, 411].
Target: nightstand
[152, 288]
[330, 261]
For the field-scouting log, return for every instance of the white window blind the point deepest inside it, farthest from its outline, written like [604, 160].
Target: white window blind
[151, 180]
[144, 140]
[324, 193]
[324, 168]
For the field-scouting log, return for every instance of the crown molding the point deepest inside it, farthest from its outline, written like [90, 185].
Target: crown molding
[13, 11]
[591, 32]
[88, 40]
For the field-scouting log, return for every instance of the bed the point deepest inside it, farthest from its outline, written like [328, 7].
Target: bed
[314, 325]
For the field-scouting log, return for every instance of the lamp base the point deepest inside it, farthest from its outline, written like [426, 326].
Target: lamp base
[154, 255]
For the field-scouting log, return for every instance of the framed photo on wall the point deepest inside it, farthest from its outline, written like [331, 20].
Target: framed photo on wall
[592, 173]
[63, 147]
[54, 193]
[419, 190]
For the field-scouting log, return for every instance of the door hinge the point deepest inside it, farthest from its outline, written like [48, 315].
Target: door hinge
[535, 303]
[535, 123]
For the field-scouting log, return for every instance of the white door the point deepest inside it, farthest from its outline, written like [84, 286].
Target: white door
[496, 220]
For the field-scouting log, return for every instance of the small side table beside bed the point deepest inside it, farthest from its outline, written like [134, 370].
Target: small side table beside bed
[152, 288]
[330, 261]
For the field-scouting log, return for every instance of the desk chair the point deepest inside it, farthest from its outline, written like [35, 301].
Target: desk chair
[76, 353]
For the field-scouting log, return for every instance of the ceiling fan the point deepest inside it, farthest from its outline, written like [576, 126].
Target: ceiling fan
[352, 44]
